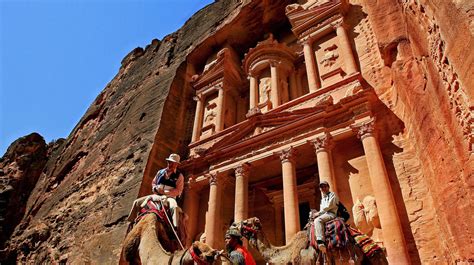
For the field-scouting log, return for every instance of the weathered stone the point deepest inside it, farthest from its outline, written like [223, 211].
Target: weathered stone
[374, 97]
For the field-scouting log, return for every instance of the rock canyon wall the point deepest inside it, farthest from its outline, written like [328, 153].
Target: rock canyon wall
[416, 55]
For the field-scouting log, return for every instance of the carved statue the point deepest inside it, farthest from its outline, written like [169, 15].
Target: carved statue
[264, 89]
[143, 246]
[366, 215]
[330, 56]
[297, 250]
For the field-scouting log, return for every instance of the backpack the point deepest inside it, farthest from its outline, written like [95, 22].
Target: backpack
[342, 212]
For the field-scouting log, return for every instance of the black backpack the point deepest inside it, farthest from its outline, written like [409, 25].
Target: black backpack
[342, 212]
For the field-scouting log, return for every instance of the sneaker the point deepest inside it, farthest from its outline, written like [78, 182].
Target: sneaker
[322, 248]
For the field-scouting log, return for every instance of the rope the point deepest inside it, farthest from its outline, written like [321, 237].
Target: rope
[171, 225]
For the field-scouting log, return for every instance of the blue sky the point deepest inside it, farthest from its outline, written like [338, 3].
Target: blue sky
[57, 55]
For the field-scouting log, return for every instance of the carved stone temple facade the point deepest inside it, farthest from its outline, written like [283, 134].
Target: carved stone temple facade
[273, 122]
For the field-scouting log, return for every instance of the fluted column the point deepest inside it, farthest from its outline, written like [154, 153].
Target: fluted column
[220, 109]
[253, 92]
[198, 118]
[191, 207]
[311, 68]
[241, 193]
[212, 212]
[290, 195]
[323, 146]
[393, 237]
[346, 49]
[275, 91]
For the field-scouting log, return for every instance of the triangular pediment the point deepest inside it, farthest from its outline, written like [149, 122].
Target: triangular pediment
[262, 124]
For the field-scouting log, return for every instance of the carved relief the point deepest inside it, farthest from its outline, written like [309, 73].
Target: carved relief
[330, 56]
[323, 143]
[210, 116]
[264, 90]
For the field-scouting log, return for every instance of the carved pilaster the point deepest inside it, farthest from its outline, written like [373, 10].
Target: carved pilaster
[365, 129]
[288, 155]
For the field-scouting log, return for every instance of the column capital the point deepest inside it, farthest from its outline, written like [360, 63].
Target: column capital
[242, 170]
[364, 129]
[338, 24]
[213, 179]
[323, 143]
[306, 41]
[288, 155]
[197, 98]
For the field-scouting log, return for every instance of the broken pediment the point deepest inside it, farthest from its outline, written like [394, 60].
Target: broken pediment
[309, 17]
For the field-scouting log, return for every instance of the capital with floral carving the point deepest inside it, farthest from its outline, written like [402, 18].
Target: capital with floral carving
[212, 178]
[288, 155]
[242, 171]
[365, 129]
[323, 143]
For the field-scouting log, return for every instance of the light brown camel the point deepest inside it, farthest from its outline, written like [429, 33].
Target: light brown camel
[142, 246]
[298, 251]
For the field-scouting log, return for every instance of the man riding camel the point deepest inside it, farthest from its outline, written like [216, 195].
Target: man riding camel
[166, 186]
[327, 212]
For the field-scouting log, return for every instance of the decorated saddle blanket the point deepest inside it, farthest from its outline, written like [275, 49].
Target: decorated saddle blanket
[336, 233]
[368, 246]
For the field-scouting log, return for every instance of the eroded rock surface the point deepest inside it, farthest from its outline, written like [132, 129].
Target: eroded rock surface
[417, 56]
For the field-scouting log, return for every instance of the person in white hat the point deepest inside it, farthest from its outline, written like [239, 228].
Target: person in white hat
[327, 212]
[167, 185]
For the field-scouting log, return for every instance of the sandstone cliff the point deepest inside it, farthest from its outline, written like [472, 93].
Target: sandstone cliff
[416, 54]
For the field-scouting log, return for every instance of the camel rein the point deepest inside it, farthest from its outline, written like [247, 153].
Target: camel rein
[171, 224]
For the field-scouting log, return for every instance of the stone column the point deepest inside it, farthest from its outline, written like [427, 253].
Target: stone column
[220, 109]
[290, 195]
[275, 91]
[253, 92]
[212, 224]
[198, 118]
[346, 49]
[393, 237]
[311, 68]
[241, 192]
[191, 207]
[323, 146]
[293, 87]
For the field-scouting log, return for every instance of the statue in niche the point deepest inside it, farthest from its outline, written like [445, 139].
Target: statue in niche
[365, 214]
[210, 115]
[264, 89]
[330, 56]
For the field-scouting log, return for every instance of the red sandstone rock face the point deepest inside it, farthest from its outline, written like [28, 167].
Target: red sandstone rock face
[20, 169]
[416, 54]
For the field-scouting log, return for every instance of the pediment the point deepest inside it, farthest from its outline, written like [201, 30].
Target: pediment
[262, 124]
[303, 19]
[226, 66]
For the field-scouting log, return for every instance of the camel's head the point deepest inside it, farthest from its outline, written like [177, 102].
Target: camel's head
[204, 253]
[249, 228]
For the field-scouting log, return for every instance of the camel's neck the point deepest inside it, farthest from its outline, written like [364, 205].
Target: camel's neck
[264, 246]
[151, 251]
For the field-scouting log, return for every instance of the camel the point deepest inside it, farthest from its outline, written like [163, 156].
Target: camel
[143, 246]
[297, 250]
